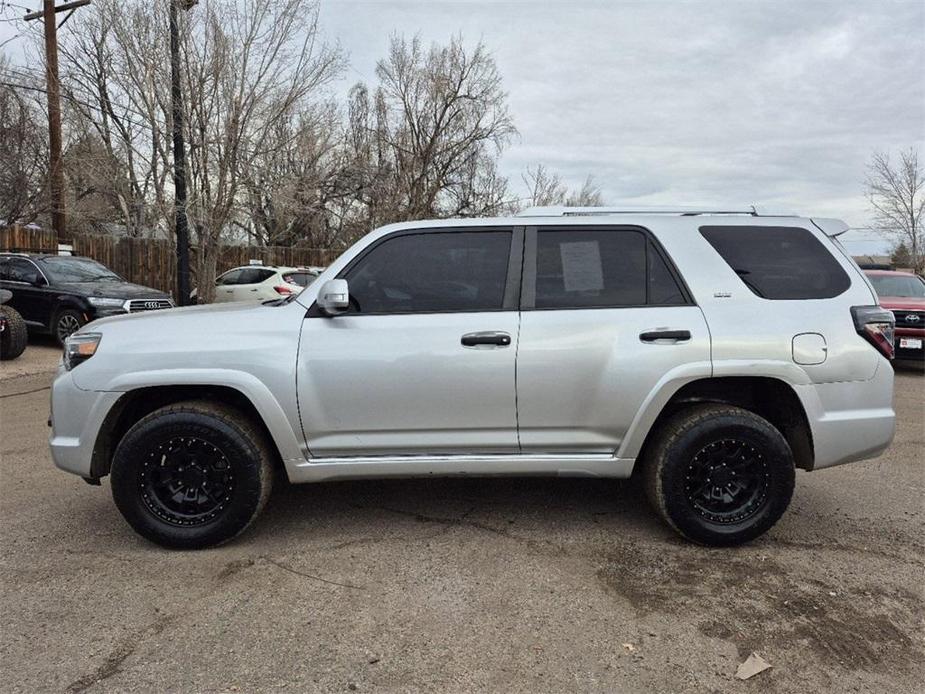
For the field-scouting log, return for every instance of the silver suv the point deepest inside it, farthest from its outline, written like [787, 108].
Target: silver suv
[712, 352]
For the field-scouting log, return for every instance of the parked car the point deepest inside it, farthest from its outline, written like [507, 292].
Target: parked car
[260, 283]
[904, 294]
[57, 294]
[13, 335]
[712, 353]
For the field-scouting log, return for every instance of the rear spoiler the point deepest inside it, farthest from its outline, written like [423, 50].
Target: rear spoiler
[830, 227]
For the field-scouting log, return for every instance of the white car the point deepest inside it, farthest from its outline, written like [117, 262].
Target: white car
[262, 282]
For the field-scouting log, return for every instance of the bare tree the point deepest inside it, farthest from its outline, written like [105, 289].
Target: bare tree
[23, 153]
[249, 66]
[439, 122]
[897, 195]
[546, 188]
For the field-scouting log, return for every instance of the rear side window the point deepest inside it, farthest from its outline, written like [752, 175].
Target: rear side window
[779, 262]
[230, 277]
[601, 268]
[432, 272]
[303, 279]
[254, 275]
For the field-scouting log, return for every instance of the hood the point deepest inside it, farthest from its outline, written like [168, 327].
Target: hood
[113, 290]
[903, 303]
[195, 317]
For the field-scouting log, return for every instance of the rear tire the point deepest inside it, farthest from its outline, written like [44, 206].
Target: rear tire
[13, 340]
[192, 475]
[719, 475]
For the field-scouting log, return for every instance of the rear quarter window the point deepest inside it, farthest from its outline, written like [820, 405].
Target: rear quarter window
[779, 262]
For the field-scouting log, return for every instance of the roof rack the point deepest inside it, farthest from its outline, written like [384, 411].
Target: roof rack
[563, 211]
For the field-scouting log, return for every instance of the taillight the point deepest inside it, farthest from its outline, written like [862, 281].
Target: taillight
[283, 290]
[876, 325]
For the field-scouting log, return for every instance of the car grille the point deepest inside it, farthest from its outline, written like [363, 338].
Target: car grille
[148, 304]
[910, 319]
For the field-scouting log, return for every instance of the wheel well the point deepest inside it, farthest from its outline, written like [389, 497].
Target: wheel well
[135, 404]
[769, 398]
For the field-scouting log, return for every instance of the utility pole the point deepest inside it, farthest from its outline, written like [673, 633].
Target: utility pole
[181, 223]
[53, 90]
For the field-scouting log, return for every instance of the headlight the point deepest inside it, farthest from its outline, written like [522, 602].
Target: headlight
[79, 347]
[104, 302]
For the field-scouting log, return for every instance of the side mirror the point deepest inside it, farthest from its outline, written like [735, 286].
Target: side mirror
[334, 297]
[39, 281]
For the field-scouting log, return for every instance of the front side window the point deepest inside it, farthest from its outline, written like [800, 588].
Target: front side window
[230, 277]
[779, 262]
[601, 268]
[432, 272]
[19, 270]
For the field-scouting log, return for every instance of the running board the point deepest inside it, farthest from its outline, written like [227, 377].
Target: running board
[520, 465]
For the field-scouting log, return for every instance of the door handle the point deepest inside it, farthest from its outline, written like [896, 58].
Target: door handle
[254, 289]
[495, 338]
[674, 335]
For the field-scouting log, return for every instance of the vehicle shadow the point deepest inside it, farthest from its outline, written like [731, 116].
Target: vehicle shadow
[534, 505]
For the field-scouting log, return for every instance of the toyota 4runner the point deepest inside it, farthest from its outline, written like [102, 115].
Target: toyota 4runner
[711, 352]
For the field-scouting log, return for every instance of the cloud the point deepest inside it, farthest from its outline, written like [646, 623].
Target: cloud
[777, 103]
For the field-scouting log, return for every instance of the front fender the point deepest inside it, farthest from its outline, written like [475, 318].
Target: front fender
[277, 420]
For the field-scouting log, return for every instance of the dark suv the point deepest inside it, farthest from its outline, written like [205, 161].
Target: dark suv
[56, 294]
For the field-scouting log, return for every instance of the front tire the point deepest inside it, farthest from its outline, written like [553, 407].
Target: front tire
[192, 475]
[719, 475]
[67, 322]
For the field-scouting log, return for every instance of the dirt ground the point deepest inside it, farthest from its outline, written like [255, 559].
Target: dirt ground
[462, 585]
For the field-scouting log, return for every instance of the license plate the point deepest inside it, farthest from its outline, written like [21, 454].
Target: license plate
[910, 343]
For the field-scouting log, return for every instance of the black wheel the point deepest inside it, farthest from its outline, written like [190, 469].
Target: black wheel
[719, 475]
[14, 337]
[191, 475]
[66, 322]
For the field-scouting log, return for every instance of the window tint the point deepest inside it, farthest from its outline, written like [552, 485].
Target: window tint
[585, 269]
[898, 285]
[303, 279]
[779, 262]
[19, 270]
[230, 277]
[435, 271]
[254, 275]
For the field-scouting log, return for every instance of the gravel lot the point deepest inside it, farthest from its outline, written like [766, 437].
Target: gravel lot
[453, 585]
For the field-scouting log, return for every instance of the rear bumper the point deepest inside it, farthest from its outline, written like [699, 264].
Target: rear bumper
[850, 420]
[76, 418]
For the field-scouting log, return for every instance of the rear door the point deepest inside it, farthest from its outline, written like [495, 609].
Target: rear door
[251, 286]
[225, 284]
[423, 363]
[605, 318]
[33, 302]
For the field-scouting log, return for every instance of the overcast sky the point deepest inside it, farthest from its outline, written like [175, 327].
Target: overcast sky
[667, 102]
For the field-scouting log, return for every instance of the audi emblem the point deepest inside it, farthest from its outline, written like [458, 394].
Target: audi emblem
[152, 304]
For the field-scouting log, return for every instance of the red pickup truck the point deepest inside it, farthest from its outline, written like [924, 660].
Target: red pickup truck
[904, 294]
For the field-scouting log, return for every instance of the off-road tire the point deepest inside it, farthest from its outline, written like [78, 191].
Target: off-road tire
[13, 340]
[67, 321]
[213, 426]
[695, 434]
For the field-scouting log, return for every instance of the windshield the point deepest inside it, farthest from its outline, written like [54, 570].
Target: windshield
[898, 285]
[69, 269]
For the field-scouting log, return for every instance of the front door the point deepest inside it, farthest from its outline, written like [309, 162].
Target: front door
[605, 320]
[423, 362]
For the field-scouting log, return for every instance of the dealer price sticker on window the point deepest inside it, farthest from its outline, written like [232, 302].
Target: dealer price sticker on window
[581, 266]
[910, 343]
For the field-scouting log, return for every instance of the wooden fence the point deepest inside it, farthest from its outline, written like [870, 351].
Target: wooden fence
[153, 262]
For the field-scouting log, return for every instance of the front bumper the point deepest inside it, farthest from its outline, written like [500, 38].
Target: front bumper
[76, 419]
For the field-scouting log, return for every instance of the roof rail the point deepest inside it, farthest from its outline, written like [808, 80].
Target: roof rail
[564, 211]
